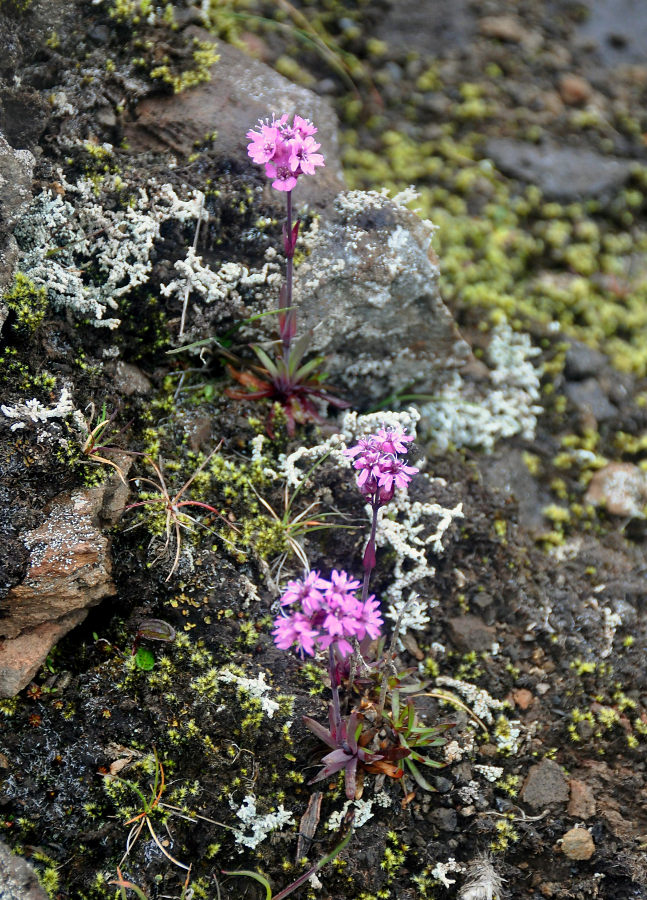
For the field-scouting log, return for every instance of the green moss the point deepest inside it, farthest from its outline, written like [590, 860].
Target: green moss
[506, 834]
[16, 6]
[204, 56]
[28, 304]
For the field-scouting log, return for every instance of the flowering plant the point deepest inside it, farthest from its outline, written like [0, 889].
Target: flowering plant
[327, 614]
[287, 150]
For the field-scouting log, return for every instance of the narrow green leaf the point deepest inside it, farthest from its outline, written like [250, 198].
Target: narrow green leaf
[309, 367]
[418, 776]
[268, 363]
[260, 878]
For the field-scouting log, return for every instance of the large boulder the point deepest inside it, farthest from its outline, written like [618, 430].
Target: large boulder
[241, 90]
[368, 290]
[16, 171]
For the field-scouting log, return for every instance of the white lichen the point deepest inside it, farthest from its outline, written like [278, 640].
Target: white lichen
[479, 701]
[88, 253]
[490, 773]
[256, 688]
[34, 411]
[225, 283]
[363, 811]
[441, 870]
[255, 828]
[478, 415]
[455, 752]
[412, 530]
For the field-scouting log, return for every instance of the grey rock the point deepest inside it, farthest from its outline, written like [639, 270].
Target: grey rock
[506, 472]
[583, 361]
[368, 290]
[562, 173]
[241, 91]
[442, 785]
[128, 379]
[444, 819]
[18, 881]
[589, 397]
[25, 112]
[471, 633]
[409, 25]
[16, 173]
[618, 29]
[8, 263]
[545, 786]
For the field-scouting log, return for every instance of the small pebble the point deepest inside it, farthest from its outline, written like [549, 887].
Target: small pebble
[578, 844]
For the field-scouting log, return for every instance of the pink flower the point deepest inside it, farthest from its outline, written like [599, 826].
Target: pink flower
[380, 469]
[339, 588]
[279, 169]
[303, 157]
[295, 629]
[328, 613]
[287, 150]
[393, 440]
[370, 620]
[304, 127]
[394, 473]
[305, 592]
[263, 144]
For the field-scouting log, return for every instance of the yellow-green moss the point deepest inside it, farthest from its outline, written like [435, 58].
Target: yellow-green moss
[27, 302]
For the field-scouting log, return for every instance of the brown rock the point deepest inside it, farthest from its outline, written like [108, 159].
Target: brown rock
[622, 828]
[116, 490]
[69, 566]
[22, 656]
[621, 488]
[69, 572]
[582, 802]
[574, 90]
[512, 29]
[128, 379]
[578, 844]
[241, 91]
[471, 633]
[505, 28]
[522, 698]
[544, 786]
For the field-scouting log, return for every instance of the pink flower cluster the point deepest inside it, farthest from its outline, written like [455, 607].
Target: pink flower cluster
[377, 457]
[325, 612]
[286, 150]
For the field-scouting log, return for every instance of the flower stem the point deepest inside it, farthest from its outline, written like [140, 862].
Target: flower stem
[335, 690]
[369, 553]
[287, 328]
[369, 565]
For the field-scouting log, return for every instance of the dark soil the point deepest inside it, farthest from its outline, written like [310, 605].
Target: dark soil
[545, 615]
